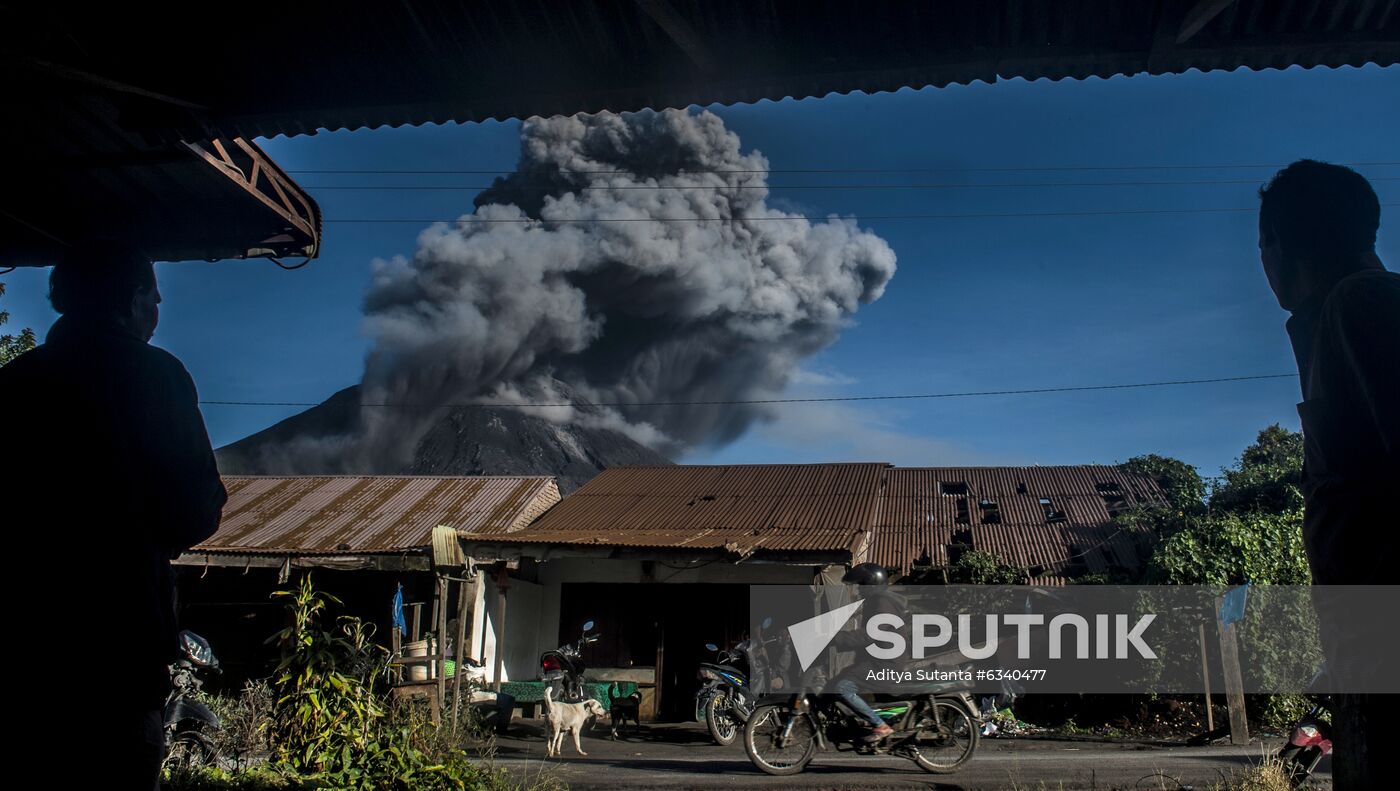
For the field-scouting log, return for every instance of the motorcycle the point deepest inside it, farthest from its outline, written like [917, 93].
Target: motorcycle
[562, 668]
[938, 730]
[188, 720]
[724, 701]
[1309, 741]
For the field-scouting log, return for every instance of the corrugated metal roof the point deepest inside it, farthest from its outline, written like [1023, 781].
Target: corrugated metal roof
[370, 64]
[899, 517]
[369, 514]
[736, 508]
[1057, 519]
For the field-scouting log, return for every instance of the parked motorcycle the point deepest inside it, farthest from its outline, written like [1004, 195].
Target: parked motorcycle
[562, 668]
[1309, 741]
[938, 730]
[724, 701]
[188, 721]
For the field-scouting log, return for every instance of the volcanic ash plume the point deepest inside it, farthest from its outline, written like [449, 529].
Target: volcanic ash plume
[631, 257]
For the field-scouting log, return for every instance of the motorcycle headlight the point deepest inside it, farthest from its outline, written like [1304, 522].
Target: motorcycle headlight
[196, 649]
[706, 674]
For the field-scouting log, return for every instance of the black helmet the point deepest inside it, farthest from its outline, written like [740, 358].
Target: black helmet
[866, 574]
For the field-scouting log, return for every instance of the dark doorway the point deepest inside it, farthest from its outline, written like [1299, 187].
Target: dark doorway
[662, 626]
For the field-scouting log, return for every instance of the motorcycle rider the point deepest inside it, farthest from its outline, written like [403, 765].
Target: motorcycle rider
[865, 574]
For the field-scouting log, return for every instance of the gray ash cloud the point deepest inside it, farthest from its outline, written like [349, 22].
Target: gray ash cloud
[699, 291]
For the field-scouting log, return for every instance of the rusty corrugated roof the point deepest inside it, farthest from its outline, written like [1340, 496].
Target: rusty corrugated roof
[1055, 518]
[369, 514]
[737, 508]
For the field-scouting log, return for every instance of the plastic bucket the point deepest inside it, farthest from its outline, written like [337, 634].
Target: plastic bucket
[424, 671]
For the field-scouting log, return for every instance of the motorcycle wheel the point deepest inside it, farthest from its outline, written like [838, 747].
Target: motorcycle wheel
[1297, 763]
[760, 740]
[189, 750]
[723, 729]
[943, 744]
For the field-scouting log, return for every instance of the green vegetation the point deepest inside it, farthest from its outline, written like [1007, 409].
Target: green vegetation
[326, 721]
[977, 567]
[12, 346]
[1249, 529]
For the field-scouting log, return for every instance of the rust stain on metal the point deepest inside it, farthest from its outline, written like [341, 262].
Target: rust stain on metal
[504, 513]
[902, 518]
[279, 496]
[365, 514]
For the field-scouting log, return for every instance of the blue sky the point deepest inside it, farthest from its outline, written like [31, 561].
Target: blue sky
[977, 304]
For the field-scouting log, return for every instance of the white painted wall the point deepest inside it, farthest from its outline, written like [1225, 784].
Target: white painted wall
[522, 649]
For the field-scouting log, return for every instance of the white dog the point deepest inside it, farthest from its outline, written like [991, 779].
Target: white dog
[565, 718]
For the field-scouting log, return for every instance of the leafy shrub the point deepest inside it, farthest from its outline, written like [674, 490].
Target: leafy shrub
[978, 567]
[331, 726]
[242, 737]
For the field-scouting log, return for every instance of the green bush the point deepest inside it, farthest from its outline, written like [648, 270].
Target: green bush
[242, 737]
[977, 567]
[330, 725]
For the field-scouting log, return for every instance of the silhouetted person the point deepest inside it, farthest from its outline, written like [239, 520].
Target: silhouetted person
[1317, 235]
[106, 456]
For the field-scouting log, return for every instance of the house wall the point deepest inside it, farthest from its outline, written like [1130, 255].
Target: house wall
[521, 639]
[553, 573]
[533, 609]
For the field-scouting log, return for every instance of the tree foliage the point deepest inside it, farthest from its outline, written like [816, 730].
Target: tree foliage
[1233, 548]
[1252, 528]
[1182, 485]
[1266, 477]
[12, 346]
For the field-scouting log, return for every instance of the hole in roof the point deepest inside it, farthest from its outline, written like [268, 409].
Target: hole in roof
[953, 488]
[962, 518]
[991, 513]
[1021, 488]
[1052, 514]
[1115, 503]
[1108, 487]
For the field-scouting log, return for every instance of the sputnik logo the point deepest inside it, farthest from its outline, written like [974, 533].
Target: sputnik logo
[812, 636]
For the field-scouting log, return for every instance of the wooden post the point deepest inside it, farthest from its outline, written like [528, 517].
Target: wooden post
[660, 662]
[433, 615]
[396, 643]
[1205, 676]
[441, 654]
[502, 584]
[1234, 681]
[459, 646]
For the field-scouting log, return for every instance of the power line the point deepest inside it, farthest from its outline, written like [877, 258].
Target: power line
[949, 169]
[750, 402]
[654, 187]
[473, 220]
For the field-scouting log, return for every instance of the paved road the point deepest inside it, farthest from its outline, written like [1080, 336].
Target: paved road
[676, 757]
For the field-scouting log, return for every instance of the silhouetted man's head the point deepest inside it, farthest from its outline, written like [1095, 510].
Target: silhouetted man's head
[1317, 223]
[107, 281]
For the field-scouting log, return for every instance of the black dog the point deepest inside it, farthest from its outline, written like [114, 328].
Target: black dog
[624, 708]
